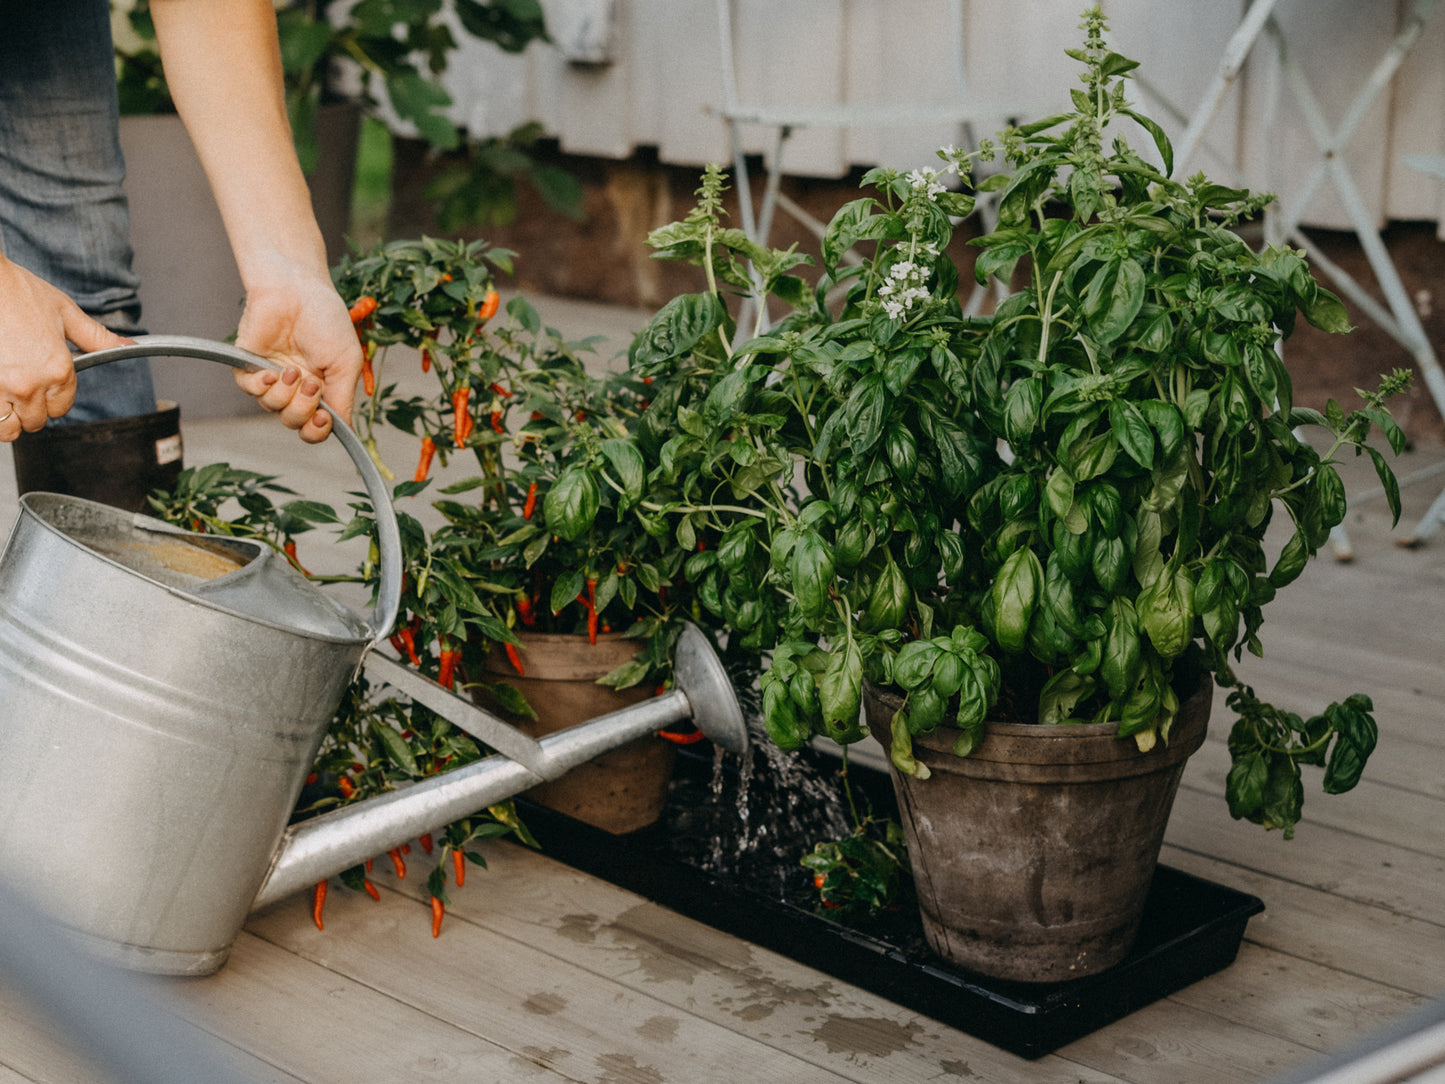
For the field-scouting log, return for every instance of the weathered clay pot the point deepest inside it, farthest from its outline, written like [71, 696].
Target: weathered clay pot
[1033, 856]
[620, 791]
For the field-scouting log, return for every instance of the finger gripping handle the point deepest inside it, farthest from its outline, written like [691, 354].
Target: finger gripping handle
[388, 596]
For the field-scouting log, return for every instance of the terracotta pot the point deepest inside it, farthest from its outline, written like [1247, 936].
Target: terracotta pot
[620, 791]
[1033, 856]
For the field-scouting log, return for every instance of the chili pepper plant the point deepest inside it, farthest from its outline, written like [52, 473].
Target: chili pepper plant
[534, 479]
[1053, 513]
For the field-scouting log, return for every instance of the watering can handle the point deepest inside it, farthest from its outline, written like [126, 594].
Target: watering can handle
[388, 596]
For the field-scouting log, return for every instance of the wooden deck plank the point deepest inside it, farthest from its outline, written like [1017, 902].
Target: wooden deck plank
[543, 1007]
[1169, 1042]
[1373, 810]
[317, 1024]
[1318, 1007]
[1341, 935]
[1346, 864]
[641, 947]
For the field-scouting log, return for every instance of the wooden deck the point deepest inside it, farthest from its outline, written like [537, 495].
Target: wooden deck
[545, 974]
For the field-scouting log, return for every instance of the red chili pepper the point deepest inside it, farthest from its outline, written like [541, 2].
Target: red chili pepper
[438, 910]
[408, 641]
[647, 380]
[497, 426]
[396, 860]
[462, 422]
[592, 611]
[289, 549]
[530, 504]
[423, 465]
[371, 890]
[368, 865]
[514, 658]
[363, 308]
[446, 676]
[426, 842]
[368, 374]
[681, 739]
[425, 360]
[499, 390]
[318, 901]
[311, 778]
[459, 867]
[346, 787]
[582, 415]
[488, 308]
[524, 611]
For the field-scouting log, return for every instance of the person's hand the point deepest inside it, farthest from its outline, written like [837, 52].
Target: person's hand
[37, 375]
[296, 318]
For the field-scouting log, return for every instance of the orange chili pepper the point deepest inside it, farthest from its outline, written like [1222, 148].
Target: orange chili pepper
[681, 739]
[459, 867]
[363, 308]
[426, 842]
[368, 374]
[462, 422]
[425, 360]
[371, 891]
[497, 426]
[438, 910]
[318, 901]
[524, 611]
[396, 860]
[408, 640]
[488, 308]
[530, 504]
[423, 465]
[346, 787]
[446, 676]
[514, 658]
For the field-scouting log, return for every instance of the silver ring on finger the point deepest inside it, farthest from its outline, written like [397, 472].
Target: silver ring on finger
[7, 415]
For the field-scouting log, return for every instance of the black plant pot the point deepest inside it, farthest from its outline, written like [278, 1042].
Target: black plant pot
[117, 461]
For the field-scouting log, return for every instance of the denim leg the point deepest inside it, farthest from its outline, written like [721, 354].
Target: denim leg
[63, 212]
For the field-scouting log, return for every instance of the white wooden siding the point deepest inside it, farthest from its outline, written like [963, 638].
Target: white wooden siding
[665, 75]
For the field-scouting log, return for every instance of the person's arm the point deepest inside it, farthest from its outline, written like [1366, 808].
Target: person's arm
[223, 66]
[37, 375]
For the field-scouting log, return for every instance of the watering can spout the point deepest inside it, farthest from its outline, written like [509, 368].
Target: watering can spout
[316, 849]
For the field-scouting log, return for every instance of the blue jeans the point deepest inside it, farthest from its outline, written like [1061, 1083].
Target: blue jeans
[63, 211]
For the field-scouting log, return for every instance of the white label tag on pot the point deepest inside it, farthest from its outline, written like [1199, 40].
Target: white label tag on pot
[168, 450]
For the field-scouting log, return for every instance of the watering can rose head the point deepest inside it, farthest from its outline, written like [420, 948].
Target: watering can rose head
[1051, 513]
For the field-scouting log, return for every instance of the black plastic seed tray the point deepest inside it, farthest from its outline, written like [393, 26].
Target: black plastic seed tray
[1191, 928]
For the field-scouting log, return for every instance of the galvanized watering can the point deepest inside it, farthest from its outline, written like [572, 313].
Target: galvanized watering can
[162, 698]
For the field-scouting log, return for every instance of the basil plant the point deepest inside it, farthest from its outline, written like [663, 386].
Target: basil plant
[1053, 513]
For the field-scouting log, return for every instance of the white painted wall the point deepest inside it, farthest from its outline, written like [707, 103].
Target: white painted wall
[664, 74]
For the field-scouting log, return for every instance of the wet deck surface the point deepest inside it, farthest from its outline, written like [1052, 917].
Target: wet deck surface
[544, 973]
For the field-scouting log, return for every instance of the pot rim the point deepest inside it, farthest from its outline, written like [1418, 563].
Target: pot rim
[1025, 743]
